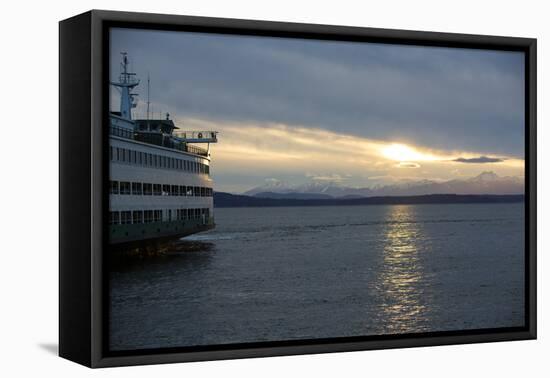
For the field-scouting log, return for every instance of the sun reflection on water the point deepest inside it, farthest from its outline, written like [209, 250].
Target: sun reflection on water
[401, 280]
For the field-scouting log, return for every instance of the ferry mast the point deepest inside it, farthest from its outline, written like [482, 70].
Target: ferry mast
[126, 82]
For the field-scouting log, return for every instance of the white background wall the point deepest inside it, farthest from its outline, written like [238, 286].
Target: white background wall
[29, 189]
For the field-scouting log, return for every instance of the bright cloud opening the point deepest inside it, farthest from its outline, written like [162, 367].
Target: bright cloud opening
[404, 153]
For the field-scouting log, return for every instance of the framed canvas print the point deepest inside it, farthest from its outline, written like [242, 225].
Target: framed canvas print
[233, 188]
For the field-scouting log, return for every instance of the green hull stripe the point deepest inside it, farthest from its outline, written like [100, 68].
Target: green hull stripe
[123, 233]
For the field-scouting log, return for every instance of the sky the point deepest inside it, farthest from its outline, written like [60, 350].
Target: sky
[356, 114]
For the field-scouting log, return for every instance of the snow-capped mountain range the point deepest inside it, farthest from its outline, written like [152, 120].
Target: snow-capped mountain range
[484, 183]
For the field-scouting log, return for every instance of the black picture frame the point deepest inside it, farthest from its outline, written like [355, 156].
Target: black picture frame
[83, 54]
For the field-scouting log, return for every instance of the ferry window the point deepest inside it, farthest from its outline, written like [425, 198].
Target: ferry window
[137, 216]
[150, 159]
[133, 157]
[114, 217]
[207, 169]
[147, 189]
[125, 217]
[136, 188]
[189, 190]
[148, 216]
[196, 191]
[141, 158]
[169, 215]
[203, 193]
[183, 190]
[175, 190]
[158, 215]
[185, 167]
[157, 189]
[117, 153]
[113, 187]
[124, 187]
[166, 190]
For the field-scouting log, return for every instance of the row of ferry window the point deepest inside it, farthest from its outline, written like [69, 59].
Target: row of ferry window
[150, 216]
[147, 189]
[156, 161]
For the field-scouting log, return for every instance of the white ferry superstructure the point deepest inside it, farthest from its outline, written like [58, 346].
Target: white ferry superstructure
[160, 184]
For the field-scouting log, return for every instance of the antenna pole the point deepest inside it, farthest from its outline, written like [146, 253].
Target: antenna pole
[148, 91]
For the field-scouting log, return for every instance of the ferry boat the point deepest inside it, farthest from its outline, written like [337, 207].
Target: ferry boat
[160, 184]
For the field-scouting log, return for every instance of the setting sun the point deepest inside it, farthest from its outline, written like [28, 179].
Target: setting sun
[402, 152]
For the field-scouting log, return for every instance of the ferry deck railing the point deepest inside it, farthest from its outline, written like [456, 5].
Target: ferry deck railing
[130, 134]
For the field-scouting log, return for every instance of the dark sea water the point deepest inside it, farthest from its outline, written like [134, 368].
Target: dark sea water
[270, 274]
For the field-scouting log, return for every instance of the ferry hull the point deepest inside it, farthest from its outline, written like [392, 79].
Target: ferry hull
[123, 236]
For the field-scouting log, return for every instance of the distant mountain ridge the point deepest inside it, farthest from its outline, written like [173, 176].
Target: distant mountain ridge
[485, 183]
[233, 200]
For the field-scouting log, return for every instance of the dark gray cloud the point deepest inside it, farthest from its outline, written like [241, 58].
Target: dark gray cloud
[480, 160]
[439, 97]
[407, 164]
